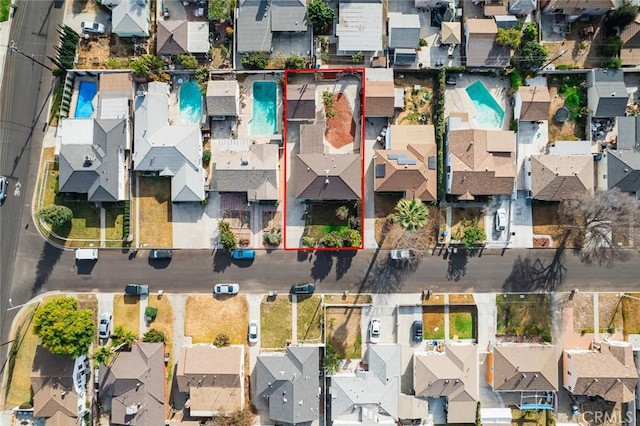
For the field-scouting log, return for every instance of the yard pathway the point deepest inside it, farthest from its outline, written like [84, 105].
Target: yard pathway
[178, 303]
[103, 222]
[294, 319]
[144, 302]
[447, 238]
[486, 305]
[446, 317]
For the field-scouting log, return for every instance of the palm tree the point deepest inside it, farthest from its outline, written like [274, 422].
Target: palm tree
[411, 214]
[102, 355]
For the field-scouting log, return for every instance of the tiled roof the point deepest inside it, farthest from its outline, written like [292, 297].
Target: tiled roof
[557, 177]
[525, 367]
[536, 103]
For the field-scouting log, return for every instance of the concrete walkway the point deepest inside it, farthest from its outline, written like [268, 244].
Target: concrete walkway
[144, 302]
[294, 319]
[447, 336]
[486, 305]
[178, 303]
[103, 223]
[136, 232]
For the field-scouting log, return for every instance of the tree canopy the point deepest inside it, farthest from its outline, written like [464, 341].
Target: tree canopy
[294, 61]
[321, 15]
[618, 19]
[55, 215]
[255, 60]
[509, 37]
[411, 214]
[63, 328]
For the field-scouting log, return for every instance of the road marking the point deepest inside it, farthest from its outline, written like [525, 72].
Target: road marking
[16, 192]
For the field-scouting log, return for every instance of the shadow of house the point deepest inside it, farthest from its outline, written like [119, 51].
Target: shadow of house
[54, 395]
[175, 37]
[301, 102]
[211, 379]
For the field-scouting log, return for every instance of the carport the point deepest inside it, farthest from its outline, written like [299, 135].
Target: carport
[495, 416]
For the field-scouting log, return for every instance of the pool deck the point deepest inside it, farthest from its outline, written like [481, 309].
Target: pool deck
[457, 99]
[76, 94]
[246, 106]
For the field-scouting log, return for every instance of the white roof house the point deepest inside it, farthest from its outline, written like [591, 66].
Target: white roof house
[359, 27]
[130, 18]
[168, 150]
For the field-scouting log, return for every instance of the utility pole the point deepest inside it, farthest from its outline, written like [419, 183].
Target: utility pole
[14, 48]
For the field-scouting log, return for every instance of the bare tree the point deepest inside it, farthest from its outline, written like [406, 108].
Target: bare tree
[600, 225]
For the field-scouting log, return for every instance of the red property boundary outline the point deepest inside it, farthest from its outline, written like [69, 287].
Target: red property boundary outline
[362, 152]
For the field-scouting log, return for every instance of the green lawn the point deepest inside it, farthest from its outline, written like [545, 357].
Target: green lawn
[323, 219]
[524, 315]
[309, 315]
[23, 350]
[275, 322]
[461, 323]
[574, 99]
[4, 10]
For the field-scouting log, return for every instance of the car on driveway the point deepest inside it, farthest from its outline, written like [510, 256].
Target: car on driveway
[243, 254]
[253, 331]
[136, 289]
[501, 220]
[104, 328]
[93, 27]
[158, 254]
[400, 254]
[226, 289]
[303, 288]
[4, 186]
[416, 331]
[374, 331]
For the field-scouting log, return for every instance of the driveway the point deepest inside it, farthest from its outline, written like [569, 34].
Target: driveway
[196, 226]
[497, 238]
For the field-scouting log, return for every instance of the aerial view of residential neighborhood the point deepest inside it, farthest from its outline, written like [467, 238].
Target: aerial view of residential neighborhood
[319, 212]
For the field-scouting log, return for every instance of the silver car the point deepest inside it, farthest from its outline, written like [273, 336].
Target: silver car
[104, 328]
[226, 289]
[374, 331]
[93, 27]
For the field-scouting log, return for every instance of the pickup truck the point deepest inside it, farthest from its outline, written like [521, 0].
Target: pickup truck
[136, 289]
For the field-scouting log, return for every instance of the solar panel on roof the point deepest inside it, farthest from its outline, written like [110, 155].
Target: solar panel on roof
[395, 156]
[404, 161]
[432, 163]
[380, 170]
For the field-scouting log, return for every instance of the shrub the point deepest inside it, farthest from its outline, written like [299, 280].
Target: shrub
[355, 222]
[243, 242]
[509, 37]
[530, 32]
[227, 237]
[357, 58]
[188, 61]
[255, 60]
[294, 62]
[229, 31]
[222, 340]
[308, 241]
[206, 157]
[26, 406]
[473, 234]
[332, 240]
[331, 362]
[55, 215]
[352, 238]
[329, 100]
[320, 14]
[424, 42]
[272, 237]
[224, 50]
[151, 312]
[342, 213]
[218, 10]
[154, 336]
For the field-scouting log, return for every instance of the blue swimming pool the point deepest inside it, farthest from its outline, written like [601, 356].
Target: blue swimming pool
[265, 112]
[86, 93]
[190, 103]
[489, 113]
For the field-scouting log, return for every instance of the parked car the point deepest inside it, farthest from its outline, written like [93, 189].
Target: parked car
[104, 328]
[253, 331]
[501, 220]
[303, 288]
[157, 254]
[136, 289]
[400, 254]
[416, 331]
[374, 331]
[4, 185]
[244, 254]
[93, 27]
[226, 289]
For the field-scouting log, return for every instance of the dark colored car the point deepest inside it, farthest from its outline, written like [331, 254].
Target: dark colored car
[244, 254]
[136, 289]
[416, 331]
[4, 185]
[303, 288]
[160, 254]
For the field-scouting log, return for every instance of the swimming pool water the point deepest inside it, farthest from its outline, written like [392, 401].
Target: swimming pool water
[190, 103]
[86, 92]
[489, 113]
[264, 114]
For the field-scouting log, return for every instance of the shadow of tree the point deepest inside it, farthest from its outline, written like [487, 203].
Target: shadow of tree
[457, 263]
[343, 262]
[302, 255]
[49, 256]
[339, 339]
[221, 261]
[388, 276]
[321, 265]
[536, 275]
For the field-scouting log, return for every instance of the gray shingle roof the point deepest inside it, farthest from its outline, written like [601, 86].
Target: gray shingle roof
[254, 26]
[288, 15]
[404, 30]
[607, 93]
[222, 98]
[288, 384]
[131, 17]
[170, 150]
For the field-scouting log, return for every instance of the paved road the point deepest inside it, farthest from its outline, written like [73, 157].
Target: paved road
[367, 271]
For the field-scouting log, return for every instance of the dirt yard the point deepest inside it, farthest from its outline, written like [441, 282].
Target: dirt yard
[630, 309]
[344, 331]
[85, 6]
[340, 130]
[351, 299]
[433, 320]
[206, 317]
[610, 312]
[567, 131]
[547, 223]
[582, 304]
[463, 217]
[155, 212]
[427, 237]
[581, 50]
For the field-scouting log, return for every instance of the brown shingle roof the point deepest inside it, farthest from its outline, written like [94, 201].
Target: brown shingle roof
[60, 419]
[525, 367]
[172, 37]
[482, 161]
[342, 171]
[52, 382]
[301, 101]
[557, 177]
[379, 98]
[482, 50]
[536, 103]
[608, 372]
[574, 7]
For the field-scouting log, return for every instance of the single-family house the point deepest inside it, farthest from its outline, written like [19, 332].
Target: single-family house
[620, 168]
[606, 92]
[213, 379]
[532, 103]
[287, 385]
[573, 9]
[478, 161]
[522, 7]
[301, 101]
[259, 21]
[371, 392]
[606, 370]
[318, 175]
[359, 27]
[630, 51]
[451, 33]
[379, 93]
[523, 367]
[168, 150]
[244, 167]
[408, 165]
[54, 392]
[134, 383]
[222, 99]
[404, 30]
[94, 152]
[481, 47]
[129, 18]
[450, 373]
[558, 177]
[178, 36]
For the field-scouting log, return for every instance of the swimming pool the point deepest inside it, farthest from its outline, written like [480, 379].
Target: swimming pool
[264, 114]
[86, 92]
[489, 114]
[190, 103]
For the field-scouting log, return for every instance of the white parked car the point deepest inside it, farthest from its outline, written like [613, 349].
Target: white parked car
[104, 328]
[93, 27]
[400, 254]
[374, 331]
[501, 220]
[253, 331]
[226, 289]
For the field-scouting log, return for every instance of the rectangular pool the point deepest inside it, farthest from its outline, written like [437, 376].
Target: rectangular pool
[489, 113]
[264, 115]
[86, 92]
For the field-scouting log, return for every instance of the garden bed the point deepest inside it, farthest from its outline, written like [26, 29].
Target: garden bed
[341, 128]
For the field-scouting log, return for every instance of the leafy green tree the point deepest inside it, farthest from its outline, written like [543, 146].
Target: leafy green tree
[227, 237]
[154, 336]
[123, 336]
[530, 32]
[149, 66]
[532, 55]
[473, 234]
[188, 61]
[102, 355]
[55, 215]
[331, 362]
[332, 240]
[321, 15]
[63, 328]
[342, 213]
[509, 37]
[206, 157]
[222, 340]
[610, 47]
[616, 20]
[352, 238]
[357, 58]
[294, 62]
[255, 60]
[218, 10]
[411, 214]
